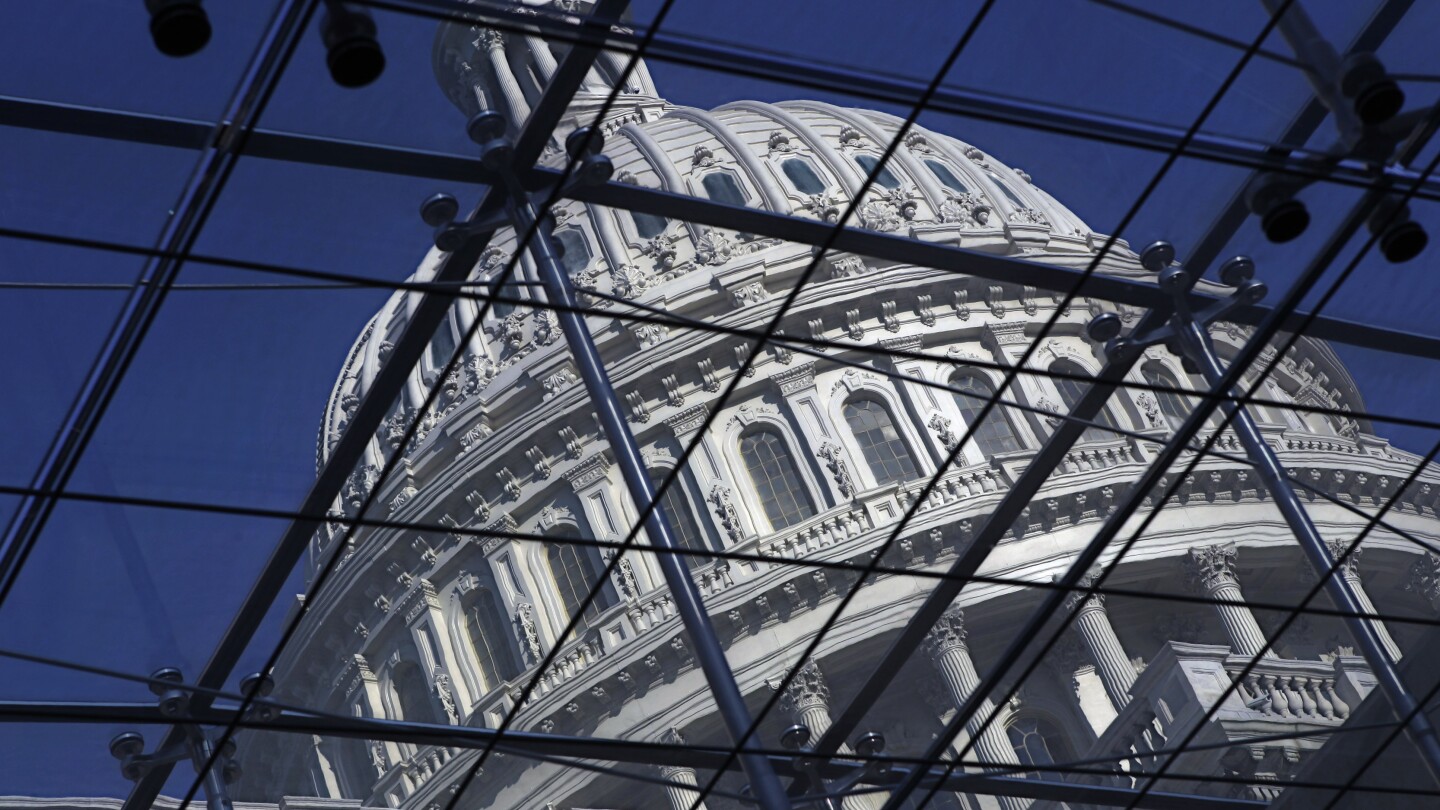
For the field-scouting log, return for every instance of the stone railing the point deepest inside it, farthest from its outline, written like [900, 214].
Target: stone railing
[817, 533]
[1277, 696]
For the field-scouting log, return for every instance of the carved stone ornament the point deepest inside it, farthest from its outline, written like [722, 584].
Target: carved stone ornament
[630, 281]
[1150, 409]
[941, 425]
[824, 206]
[719, 498]
[703, 158]
[446, 697]
[880, 215]
[713, 248]
[780, 142]
[839, 470]
[1212, 567]
[1425, 578]
[964, 209]
[529, 634]
[948, 633]
[807, 690]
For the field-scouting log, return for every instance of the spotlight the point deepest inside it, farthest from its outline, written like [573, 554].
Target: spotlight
[487, 129]
[794, 738]
[351, 51]
[1282, 217]
[179, 27]
[1373, 93]
[1237, 270]
[1104, 327]
[1157, 256]
[584, 145]
[1401, 238]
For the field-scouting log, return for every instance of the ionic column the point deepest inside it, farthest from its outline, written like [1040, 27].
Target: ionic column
[681, 798]
[1212, 570]
[1351, 571]
[807, 700]
[950, 653]
[1092, 623]
[509, 87]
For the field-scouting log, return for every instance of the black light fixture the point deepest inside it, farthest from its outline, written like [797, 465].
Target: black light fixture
[179, 27]
[1401, 238]
[1282, 217]
[351, 50]
[1375, 96]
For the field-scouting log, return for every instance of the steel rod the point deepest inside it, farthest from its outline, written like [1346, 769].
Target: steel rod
[729, 701]
[1195, 342]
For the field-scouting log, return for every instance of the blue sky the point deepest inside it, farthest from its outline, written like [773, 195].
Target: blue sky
[223, 401]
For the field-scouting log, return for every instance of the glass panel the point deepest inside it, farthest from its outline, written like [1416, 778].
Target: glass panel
[884, 450]
[722, 187]
[575, 255]
[575, 568]
[944, 175]
[682, 518]
[648, 226]
[1071, 390]
[885, 178]
[775, 478]
[490, 637]
[994, 434]
[804, 178]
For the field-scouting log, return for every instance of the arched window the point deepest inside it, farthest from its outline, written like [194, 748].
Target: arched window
[490, 637]
[994, 434]
[884, 450]
[575, 568]
[1172, 406]
[1038, 742]
[804, 178]
[648, 226]
[1071, 390]
[1006, 190]
[884, 178]
[722, 187]
[1283, 400]
[947, 177]
[776, 480]
[576, 251]
[413, 692]
[682, 517]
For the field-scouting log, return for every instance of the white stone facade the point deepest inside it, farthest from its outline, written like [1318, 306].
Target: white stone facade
[439, 627]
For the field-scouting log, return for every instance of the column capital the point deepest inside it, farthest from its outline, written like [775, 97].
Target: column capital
[1425, 578]
[948, 633]
[1080, 599]
[490, 39]
[673, 736]
[1351, 567]
[806, 690]
[1212, 567]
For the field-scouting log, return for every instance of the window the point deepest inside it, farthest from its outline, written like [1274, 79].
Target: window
[1173, 407]
[490, 637]
[776, 480]
[884, 450]
[575, 569]
[499, 309]
[722, 187]
[1071, 390]
[442, 348]
[648, 226]
[682, 517]
[413, 693]
[804, 178]
[884, 178]
[576, 253]
[1005, 189]
[1038, 742]
[993, 435]
[947, 177]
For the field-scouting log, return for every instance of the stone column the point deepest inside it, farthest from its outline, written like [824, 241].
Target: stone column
[1092, 623]
[681, 798]
[1351, 571]
[950, 653]
[515, 104]
[807, 700]
[544, 58]
[1212, 570]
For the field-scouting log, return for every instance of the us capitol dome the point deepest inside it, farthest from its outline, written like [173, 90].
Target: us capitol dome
[814, 458]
